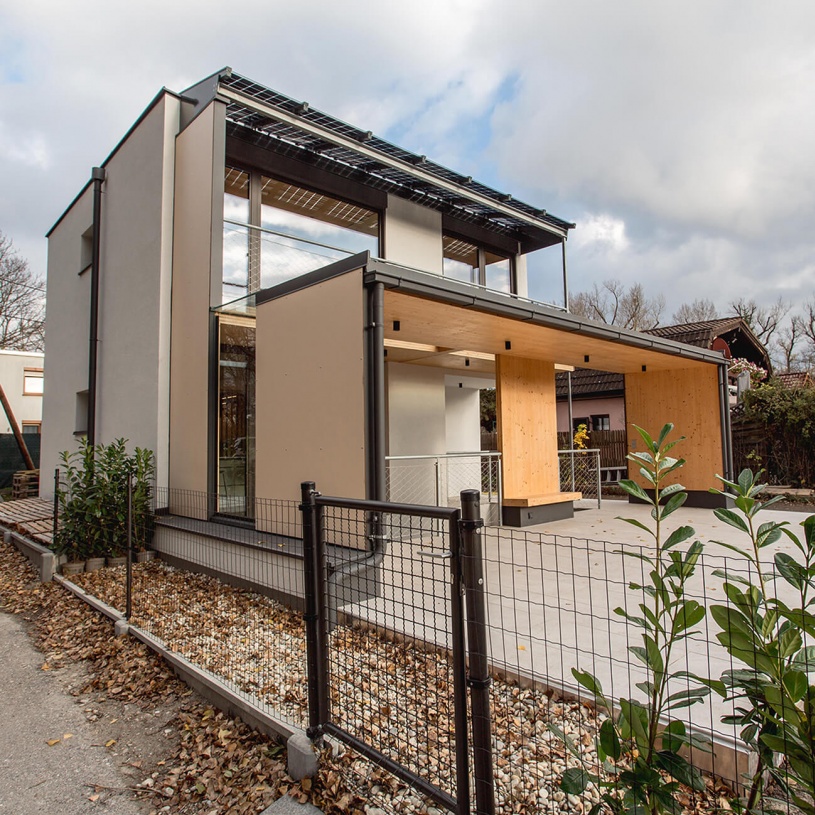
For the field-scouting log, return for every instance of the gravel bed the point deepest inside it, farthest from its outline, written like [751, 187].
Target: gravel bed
[386, 691]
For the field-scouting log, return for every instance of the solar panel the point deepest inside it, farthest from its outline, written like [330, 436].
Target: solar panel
[347, 161]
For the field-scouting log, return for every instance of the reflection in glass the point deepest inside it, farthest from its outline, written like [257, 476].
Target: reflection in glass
[307, 230]
[460, 260]
[498, 273]
[236, 238]
[475, 264]
[236, 416]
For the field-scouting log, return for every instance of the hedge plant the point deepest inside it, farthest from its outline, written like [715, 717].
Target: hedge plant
[93, 499]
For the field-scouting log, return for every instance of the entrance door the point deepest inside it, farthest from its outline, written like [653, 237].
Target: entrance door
[236, 416]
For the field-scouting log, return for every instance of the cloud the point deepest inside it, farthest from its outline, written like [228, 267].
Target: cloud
[678, 138]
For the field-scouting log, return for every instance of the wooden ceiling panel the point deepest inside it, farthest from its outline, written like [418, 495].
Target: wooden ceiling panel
[458, 329]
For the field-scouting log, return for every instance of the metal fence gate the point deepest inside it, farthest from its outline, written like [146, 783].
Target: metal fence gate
[388, 674]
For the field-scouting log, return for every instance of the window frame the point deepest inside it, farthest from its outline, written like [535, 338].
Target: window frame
[33, 373]
[596, 416]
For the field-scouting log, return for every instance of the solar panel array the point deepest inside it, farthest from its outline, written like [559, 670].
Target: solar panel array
[346, 161]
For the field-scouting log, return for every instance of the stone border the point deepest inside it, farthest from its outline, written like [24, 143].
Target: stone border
[301, 757]
[41, 557]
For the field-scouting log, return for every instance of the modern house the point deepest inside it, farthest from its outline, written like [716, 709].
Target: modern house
[598, 397]
[271, 295]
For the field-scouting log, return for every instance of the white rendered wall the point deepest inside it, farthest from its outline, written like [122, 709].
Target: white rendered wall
[12, 370]
[67, 319]
[412, 235]
[428, 414]
[416, 422]
[462, 417]
[136, 254]
[135, 271]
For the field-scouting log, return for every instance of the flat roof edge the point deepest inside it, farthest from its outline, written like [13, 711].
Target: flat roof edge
[144, 114]
[413, 281]
[336, 269]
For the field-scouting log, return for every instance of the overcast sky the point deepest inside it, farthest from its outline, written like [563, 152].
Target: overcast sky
[678, 136]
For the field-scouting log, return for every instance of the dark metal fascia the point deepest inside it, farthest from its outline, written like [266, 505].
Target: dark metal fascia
[340, 267]
[420, 284]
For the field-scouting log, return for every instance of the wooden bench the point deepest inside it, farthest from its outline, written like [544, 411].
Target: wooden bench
[538, 509]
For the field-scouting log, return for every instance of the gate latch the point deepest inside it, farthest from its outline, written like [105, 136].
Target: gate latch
[426, 553]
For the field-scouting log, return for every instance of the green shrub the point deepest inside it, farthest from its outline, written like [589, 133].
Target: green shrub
[788, 417]
[93, 500]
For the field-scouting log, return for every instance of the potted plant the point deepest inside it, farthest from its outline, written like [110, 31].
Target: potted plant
[93, 500]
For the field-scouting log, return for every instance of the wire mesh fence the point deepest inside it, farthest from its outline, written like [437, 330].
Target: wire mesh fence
[438, 480]
[231, 599]
[580, 472]
[395, 681]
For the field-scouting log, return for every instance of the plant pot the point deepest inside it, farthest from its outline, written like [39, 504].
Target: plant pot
[145, 556]
[117, 561]
[93, 564]
[73, 567]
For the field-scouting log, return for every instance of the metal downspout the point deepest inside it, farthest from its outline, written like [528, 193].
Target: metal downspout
[724, 413]
[98, 176]
[376, 392]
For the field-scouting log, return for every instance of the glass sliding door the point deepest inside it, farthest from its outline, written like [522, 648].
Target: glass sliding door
[236, 416]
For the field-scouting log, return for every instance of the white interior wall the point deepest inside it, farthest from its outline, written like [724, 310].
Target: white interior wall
[429, 414]
[463, 412]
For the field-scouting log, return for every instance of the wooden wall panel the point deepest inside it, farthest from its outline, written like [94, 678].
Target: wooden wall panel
[690, 400]
[527, 426]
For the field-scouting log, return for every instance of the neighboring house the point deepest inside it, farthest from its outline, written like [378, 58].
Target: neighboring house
[21, 375]
[272, 295]
[598, 398]
[795, 379]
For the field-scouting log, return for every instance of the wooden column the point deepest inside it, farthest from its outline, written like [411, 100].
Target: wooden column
[527, 437]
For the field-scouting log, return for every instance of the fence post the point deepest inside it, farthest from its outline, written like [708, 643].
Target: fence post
[599, 483]
[56, 504]
[459, 636]
[310, 618]
[129, 570]
[478, 677]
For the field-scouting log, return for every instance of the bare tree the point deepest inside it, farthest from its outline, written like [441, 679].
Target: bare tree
[22, 301]
[764, 321]
[786, 351]
[614, 304]
[807, 321]
[696, 312]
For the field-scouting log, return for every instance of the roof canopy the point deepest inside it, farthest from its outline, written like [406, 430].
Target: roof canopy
[296, 128]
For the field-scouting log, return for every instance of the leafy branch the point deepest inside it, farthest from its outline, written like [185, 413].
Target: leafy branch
[640, 750]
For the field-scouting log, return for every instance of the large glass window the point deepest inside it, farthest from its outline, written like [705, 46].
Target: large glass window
[275, 231]
[544, 275]
[236, 416]
[475, 264]
[236, 234]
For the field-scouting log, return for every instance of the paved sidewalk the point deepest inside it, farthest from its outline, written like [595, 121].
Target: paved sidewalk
[35, 709]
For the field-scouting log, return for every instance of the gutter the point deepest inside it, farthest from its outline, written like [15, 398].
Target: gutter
[445, 290]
